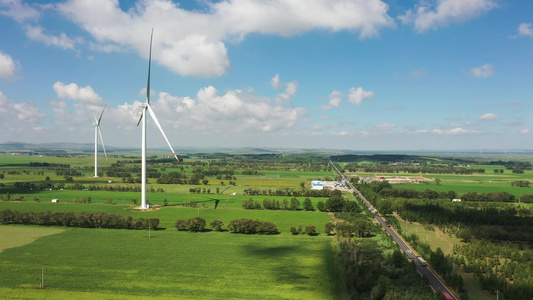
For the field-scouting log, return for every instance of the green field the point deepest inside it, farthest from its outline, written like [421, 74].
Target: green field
[174, 264]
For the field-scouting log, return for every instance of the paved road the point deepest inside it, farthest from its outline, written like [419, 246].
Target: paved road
[433, 279]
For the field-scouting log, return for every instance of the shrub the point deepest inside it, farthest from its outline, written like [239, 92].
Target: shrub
[310, 229]
[296, 230]
[196, 224]
[181, 225]
[217, 225]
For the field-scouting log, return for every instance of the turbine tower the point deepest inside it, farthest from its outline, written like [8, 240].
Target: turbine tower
[97, 132]
[146, 107]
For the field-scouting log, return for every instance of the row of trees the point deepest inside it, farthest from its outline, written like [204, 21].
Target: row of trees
[300, 192]
[248, 226]
[377, 168]
[271, 204]
[520, 183]
[76, 219]
[309, 229]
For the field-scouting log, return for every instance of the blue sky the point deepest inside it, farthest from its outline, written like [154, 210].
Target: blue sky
[388, 75]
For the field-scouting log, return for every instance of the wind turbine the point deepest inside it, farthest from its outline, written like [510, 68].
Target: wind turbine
[146, 107]
[97, 132]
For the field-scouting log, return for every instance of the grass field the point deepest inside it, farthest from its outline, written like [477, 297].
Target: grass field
[173, 264]
[87, 263]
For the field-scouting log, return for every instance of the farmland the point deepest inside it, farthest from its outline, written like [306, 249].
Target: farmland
[165, 263]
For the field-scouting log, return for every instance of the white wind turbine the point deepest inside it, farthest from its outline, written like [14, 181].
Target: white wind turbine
[146, 107]
[97, 132]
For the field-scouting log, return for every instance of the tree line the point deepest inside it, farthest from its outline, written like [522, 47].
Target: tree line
[76, 219]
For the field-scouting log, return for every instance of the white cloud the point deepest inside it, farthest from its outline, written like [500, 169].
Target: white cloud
[234, 112]
[17, 114]
[62, 41]
[192, 43]
[385, 127]
[489, 117]
[525, 131]
[343, 133]
[18, 11]
[7, 66]
[455, 131]
[335, 99]
[275, 82]
[525, 29]
[434, 14]
[357, 95]
[483, 71]
[85, 95]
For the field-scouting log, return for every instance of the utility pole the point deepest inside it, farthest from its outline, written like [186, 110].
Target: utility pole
[42, 276]
[497, 294]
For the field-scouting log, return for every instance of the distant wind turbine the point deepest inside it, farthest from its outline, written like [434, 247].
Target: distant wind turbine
[98, 132]
[146, 107]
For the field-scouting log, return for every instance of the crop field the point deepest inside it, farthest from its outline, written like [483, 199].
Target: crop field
[172, 264]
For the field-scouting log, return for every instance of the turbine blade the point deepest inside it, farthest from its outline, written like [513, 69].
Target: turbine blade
[101, 115]
[95, 120]
[149, 67]
[140, 119]
[102, 140]
[161, 129]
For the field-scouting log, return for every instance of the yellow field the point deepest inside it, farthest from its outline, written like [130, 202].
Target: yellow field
[12, 236]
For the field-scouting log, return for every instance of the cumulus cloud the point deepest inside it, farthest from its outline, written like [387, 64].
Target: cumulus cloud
[489, 117]
[85, 95]
[434, 14]
[525, 29]
[18, 11]
[192, 43]
[18, 111]
[236, 111]
[62, 41]
[357, 95]
[335, 99]
[7, 66]
[483, 71]
[385, 127]
[275, 82]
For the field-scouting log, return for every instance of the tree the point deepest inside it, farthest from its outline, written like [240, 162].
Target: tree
[217, 225]
[335, 203]
[321, 206]
[308, 205]
[181, 224]
[329, 228]
[296, 230]
[310, 229]
[437, 181]
[47, 178]
[196, 224]
[1, 176]
[295, 204]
